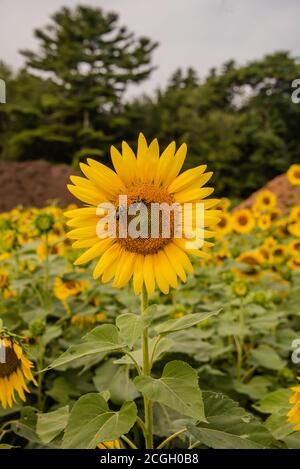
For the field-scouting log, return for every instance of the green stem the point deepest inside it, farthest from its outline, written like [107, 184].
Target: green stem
[128, 441]
[133, 360]
[146, 372]
[171, 437]
[46, 265]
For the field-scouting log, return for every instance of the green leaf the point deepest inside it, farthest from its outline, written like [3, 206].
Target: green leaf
[91, 422]
[51, 424]
[116, 380]
[177, 388]
[278, 424]
[257, 388]
[173, 325]
[267, 357]
[103, 338]
[131, 327]
[274, 401]
[229, 426]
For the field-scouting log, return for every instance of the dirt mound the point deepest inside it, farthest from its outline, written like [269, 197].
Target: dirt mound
[33, 184]
[287, 194]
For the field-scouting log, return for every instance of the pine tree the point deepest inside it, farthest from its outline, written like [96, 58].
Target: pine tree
[91, 61]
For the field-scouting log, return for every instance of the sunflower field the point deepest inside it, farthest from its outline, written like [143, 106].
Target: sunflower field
[133, 343]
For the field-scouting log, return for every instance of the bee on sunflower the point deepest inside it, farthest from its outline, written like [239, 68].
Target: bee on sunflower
[146, 178]
[15, 369]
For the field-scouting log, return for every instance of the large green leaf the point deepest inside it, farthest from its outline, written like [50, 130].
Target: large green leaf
[177, 388]
[115, 379]
[131, 327]
[173, 325]
[229, 426]
[51, 424]
[274, 401]
[103, 338]
[267, 357]
[91, 422]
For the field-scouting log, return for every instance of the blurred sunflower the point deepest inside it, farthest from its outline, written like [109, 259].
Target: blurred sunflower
[224, 226]
[266, 200]
[109, 445]
[3, 279]
[15, 368]
[278, 253]
[243, 221]
[294, 214]
[148, 178]
[294, 413]
[294, 247]
[294, 229]
[264, 221]
[294, 263]
[293, 174]
[63, 288]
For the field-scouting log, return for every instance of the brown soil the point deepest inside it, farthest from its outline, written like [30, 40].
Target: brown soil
[287, 195]
[33, 184]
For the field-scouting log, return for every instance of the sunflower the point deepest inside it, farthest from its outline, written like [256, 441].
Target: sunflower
[294, 214]
[294, 263]
[15, 368]
[224, 226]
[266, 200]
[144, 179]
[240, 288]
[253, 261]
[264, 222]
[294, 247]
[293, 174]
[63, 289]
[294, 413]
[294, 229]
[243, 221]
[115, 444]
[278, 253]
[3, 279]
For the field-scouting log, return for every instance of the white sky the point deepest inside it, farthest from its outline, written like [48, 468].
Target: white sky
[197, 33]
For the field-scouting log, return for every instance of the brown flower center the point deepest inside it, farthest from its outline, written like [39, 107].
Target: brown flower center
[12, 363]
[141, 197]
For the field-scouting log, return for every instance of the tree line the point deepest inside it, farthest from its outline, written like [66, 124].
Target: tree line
[68, 102]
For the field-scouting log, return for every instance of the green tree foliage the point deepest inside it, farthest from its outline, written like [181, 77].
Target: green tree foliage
[240, 120]
[88, 61]
[68, 103]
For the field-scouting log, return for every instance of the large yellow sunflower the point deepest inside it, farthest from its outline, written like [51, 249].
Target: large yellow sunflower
[293, 174]
[147, 177]
[15, 368]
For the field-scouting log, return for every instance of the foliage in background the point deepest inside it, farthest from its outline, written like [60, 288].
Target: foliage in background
[68, 103]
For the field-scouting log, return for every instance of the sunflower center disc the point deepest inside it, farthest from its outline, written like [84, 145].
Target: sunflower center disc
[12, 363]
[148, 194]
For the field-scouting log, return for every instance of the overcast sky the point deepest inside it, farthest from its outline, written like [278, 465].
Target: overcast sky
[197, 33]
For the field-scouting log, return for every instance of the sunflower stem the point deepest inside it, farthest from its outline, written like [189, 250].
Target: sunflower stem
[146, 372]
[46, 265]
